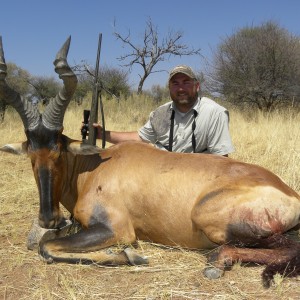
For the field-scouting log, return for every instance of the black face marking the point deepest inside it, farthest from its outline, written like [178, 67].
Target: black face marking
[48, 213]
[45, 189]
[42, 137]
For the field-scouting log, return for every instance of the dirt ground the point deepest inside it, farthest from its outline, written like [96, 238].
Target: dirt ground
[172, 273]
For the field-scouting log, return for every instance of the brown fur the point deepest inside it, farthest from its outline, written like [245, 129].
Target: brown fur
[133, 191]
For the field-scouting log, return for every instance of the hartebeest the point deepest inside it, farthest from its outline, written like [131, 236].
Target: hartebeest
[134, 191]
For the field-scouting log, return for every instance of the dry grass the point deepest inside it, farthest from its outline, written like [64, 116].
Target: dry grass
[271, 141]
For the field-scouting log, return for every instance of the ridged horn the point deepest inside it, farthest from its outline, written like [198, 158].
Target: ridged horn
[3, 67]
[54, 113]
[26, 109]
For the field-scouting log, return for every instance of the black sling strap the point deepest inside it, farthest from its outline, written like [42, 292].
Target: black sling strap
[172, 131]
[193, 132]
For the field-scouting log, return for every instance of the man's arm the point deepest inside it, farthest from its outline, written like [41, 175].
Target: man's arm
[115, 137]
[219, 139]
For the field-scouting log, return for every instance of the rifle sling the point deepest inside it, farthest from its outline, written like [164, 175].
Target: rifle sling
[172, 131]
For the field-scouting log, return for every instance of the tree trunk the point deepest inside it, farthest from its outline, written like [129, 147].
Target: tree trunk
[140, 87]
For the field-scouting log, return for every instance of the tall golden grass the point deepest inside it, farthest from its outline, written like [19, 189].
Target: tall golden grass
[271, 140]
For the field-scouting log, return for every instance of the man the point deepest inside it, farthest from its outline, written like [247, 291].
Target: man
[186, 124]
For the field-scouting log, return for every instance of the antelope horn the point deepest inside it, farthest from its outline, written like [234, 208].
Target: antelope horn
[3, 67]
[54, 113]
[26, 109]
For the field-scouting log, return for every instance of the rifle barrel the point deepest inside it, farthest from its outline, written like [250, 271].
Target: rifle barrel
[95, 100]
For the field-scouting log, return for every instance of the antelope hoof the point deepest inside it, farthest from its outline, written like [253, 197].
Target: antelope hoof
[134, 258]
[213, 272]
[48, 260]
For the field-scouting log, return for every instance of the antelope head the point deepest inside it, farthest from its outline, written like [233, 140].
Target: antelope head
[45, 141]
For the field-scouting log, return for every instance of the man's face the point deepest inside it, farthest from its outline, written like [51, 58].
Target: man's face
[183, 91]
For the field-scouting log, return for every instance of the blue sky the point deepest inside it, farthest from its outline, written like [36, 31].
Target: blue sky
[34, 30]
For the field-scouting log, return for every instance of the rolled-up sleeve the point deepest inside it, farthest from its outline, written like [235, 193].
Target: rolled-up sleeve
[219, 140]
[146, 132]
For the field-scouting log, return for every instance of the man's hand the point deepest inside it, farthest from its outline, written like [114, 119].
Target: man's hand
[114, 137]
[99, 130]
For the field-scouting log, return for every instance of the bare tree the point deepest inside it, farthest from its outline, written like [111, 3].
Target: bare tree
[152, 51]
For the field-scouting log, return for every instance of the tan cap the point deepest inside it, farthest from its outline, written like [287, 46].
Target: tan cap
[184, 70]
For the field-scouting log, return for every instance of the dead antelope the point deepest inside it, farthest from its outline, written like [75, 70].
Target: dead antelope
[133, 191]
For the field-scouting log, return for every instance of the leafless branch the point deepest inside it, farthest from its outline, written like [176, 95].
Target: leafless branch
[152, 52]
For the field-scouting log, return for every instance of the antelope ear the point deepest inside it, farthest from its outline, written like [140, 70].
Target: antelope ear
[15, 148]
[77, 147]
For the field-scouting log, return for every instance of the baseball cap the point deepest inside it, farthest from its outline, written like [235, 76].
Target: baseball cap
[184, 70]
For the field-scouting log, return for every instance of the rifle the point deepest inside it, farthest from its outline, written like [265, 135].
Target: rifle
[85, 127]
[91, 116]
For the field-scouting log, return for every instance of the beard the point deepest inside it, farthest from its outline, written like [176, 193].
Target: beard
[184, 99]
